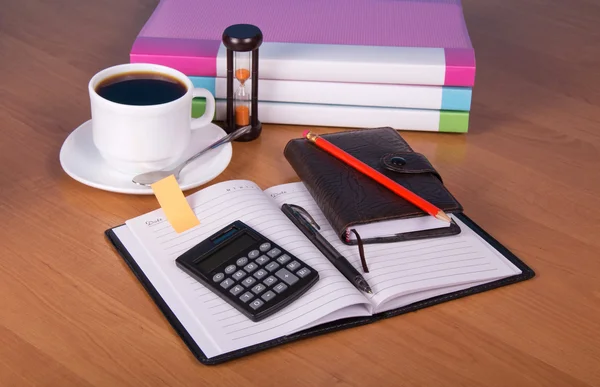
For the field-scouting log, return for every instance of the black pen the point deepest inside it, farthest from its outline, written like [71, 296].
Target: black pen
[297, 215]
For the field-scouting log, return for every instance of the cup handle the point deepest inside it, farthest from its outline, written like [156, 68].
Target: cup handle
[209, 111]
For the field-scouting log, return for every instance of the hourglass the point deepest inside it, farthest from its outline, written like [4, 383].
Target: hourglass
[242, 42]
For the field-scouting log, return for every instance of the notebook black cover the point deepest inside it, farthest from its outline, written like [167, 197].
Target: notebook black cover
[527, 273]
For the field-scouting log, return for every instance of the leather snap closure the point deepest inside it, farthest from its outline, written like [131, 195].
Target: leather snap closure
[398, 161]
[395, 162]
[407, 162]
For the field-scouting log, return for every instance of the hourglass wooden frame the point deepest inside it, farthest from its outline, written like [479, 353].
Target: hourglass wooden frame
[242, 42]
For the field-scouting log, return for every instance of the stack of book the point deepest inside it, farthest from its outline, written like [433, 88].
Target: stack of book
[407, 64]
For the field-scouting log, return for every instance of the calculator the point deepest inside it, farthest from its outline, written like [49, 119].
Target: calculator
[252, 273]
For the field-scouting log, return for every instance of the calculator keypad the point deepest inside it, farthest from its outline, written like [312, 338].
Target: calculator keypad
[293, 265]
[262, 260]
[303, 272]
[256, 304]
[258, 288]
[260, 278]
[273, 252]
[260, 274]
[283, 259]
[227, 283]
[238, 275]
[280, 287]
[248, 281]
[237, 289]
[268, 296]
[272, 266]
[218, 277]
[246, 297]
[286, 276]
[272, 285]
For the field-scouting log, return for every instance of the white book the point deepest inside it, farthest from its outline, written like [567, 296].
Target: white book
[343, 93]
[400, 274]
[349, 116]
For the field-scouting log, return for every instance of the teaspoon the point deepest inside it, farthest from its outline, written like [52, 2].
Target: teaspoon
[149, 178]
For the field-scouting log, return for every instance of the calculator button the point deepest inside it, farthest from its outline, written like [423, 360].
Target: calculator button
[229, 269]
[270, 281]
[256, 304]
[253, 254]
[286, 276]
[261, 273]
[227, 283]
[268, 296]
[246, 297]
[303, 272]
[272, 266]
[293, 265]
[239, 275]
[283, 259]
[241, 261]
[248, 282]
[258, 288]
[251, 267]
[274, 252]
[280, 287]
[262, 260]
[218, 277]
[264, 247]
[237, 289]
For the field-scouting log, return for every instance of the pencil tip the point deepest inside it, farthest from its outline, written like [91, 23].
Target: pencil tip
[442, 216]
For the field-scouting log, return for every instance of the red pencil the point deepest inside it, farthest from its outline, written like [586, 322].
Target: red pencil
[377, 176]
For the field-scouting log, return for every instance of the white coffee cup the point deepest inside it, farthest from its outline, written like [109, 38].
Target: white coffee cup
[141, 138]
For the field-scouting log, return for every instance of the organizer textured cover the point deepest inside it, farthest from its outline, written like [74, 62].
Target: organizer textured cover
[348, 198]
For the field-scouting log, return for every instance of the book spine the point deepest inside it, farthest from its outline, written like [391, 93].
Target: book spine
[318, 62]
[350, 116]
[190, 56]
[360, 94]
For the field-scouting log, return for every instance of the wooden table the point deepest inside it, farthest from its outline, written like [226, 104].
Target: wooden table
[72, 313]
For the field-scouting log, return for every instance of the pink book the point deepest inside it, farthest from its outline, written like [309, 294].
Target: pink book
[419, 42]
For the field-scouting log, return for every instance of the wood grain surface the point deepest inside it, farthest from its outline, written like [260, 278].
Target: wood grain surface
[72, 313]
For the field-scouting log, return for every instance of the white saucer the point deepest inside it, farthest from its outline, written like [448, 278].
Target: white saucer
[80, 159]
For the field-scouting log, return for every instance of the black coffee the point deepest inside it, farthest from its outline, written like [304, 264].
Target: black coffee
[141, 88]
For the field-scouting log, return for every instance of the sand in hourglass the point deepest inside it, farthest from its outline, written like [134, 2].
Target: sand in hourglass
[242, 112]
[242, 75]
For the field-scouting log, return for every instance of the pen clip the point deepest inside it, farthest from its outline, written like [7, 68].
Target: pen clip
[304, 214]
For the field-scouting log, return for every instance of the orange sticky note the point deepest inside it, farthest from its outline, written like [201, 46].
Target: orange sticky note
[173, 202]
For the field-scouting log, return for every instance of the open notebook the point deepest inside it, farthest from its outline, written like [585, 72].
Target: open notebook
[403, 275]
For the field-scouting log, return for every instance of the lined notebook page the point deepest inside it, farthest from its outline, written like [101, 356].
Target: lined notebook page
[217, 206]
[405, 272]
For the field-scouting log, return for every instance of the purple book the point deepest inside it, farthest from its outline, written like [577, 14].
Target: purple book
[423, 42]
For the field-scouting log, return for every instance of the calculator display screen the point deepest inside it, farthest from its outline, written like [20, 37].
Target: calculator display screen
[226, 252]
